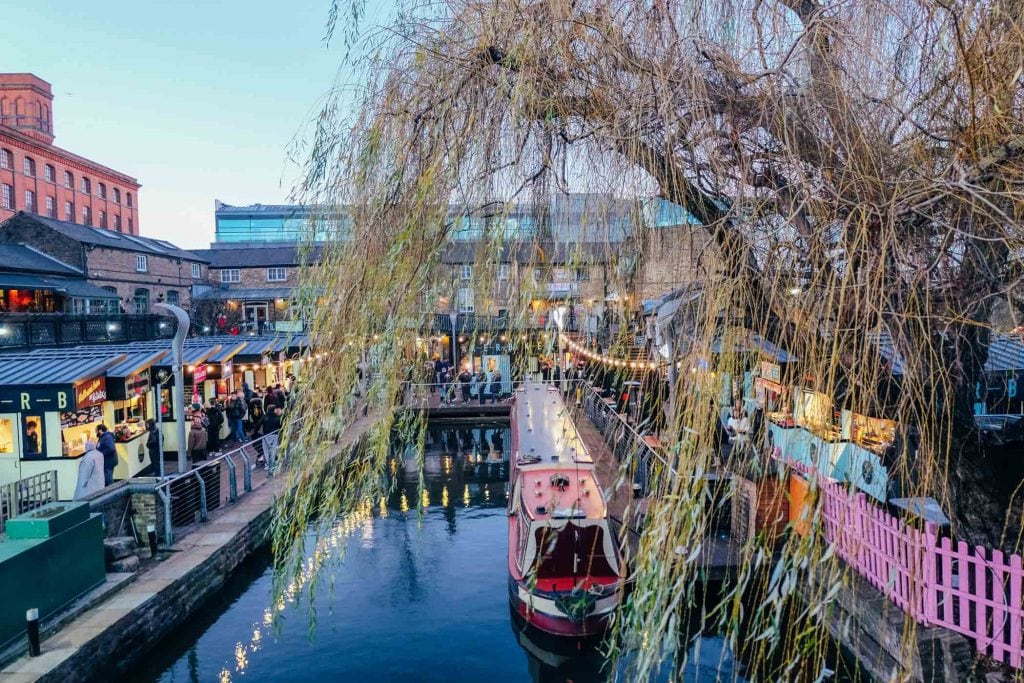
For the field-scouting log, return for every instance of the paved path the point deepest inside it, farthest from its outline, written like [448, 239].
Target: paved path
[191, 551]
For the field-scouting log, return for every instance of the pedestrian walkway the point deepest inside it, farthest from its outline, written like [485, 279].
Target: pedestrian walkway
[100, 641]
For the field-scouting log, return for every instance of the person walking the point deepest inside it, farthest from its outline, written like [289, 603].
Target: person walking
[197, 439]
[481, 386]
[153, 443]
[465, 380]
[495, 386]
[109, 450]
[90, 472]
[236, 417]
[271, 429]
[215, 418]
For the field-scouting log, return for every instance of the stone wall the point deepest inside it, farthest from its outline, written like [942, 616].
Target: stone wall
[146, 508]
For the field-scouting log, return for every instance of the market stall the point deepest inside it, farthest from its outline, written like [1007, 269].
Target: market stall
[48, 405]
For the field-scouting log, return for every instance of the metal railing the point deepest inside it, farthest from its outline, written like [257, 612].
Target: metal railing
[37, 330]
[25, 495]
[189, 497]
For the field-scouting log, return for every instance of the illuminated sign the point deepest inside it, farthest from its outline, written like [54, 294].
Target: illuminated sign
[199, 374]
[91, 392]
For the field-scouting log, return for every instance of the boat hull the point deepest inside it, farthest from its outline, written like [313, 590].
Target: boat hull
[542, 611]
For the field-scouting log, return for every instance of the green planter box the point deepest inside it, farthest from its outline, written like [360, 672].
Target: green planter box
[47, 521]
[49, 573]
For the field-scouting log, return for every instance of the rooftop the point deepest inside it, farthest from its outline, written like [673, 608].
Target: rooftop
[21, 258]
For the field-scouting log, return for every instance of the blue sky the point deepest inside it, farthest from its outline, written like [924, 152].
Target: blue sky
[197, 99]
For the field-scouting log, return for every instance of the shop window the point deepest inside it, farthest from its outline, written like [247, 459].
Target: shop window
[77, 428]
[141, 300]
[6, 435]
[32, 438]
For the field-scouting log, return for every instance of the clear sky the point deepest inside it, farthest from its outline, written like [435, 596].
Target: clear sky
[198, 99]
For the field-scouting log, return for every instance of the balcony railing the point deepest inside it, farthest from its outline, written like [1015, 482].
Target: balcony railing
[20, 331]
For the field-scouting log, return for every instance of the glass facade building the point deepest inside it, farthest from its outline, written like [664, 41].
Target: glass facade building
[278, 223]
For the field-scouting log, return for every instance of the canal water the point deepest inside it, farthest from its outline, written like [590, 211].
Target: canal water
[414, 598]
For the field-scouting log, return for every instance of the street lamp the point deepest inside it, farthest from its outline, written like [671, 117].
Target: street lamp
[178, 353]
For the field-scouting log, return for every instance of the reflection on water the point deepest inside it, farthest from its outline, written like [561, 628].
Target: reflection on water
[417, 598]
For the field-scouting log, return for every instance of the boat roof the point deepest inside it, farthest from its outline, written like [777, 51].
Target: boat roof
[561, 493]
[545, 429]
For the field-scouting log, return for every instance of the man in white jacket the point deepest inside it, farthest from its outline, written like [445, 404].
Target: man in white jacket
[90, 472]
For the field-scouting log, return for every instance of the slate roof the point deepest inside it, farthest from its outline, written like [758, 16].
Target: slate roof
[19, 258]
[111, 239]
[256, 257]
[73, 287]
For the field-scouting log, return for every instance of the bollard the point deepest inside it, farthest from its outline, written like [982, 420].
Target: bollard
[32, 619]
[151, 530]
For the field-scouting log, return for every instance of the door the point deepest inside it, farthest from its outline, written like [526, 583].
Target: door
[256, 314]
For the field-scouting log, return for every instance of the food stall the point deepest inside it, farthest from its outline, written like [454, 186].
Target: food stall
[213, 377]
[129, 404]
[48, 404]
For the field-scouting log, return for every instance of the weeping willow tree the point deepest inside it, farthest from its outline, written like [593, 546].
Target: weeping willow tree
[855, 170]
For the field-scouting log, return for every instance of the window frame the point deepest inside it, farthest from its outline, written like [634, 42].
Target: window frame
[6, 159]
[28, 167]
[102, 218]
[69, 180]
[136, 299]
[465, 300]
[466, 272]
[275, 270]
[128, 200]
[230, 276]
[6, 196]
[87, 215]
[115, 195]
[197, 271]
[176, 296]
[51, 207]
[504, 271]
[31, 205]
[141, 263]
[86, 186]
[101, 190]
[49, 173]
[69, 211]
[117, 222]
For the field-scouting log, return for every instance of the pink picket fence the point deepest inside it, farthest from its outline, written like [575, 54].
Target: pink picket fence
[976, 592]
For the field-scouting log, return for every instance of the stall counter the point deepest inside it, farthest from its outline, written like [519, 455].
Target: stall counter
[132, 456]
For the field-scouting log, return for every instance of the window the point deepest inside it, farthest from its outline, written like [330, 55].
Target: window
[141, 299]
[276, 275]
[86, 215]
[49, 173]
[467, 272]
[172, 297]
[101, 189]
[33, 443]
[30, 201]
[117, 195]
[229, 275]
[86, 186]
[117, 222]
[197, 271]
[141, 263]
[6, 158]
[582, 274]
[103, 218]
[504, 270]
[29, 166]
[128, 199]
[465, 300]
[69, 212]
[6, 197]
[131, 224]
[69, 180]
[51, 207]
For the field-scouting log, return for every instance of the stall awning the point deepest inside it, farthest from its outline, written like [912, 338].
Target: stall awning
[267, 294]
[72, 287]
[23, 369]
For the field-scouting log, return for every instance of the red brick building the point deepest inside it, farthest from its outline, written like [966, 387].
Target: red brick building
[38, 177]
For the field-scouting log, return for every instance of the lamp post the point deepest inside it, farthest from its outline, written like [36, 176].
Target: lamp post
[455, 342]
[178, 354]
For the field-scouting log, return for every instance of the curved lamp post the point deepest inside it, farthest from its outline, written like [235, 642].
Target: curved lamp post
[178, 354]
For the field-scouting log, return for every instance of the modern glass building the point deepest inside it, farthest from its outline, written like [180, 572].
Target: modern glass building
[276, 223]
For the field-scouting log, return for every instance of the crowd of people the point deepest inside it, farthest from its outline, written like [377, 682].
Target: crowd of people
[247, 415]
[464, 386]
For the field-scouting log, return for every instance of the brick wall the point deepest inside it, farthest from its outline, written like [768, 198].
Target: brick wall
[256, 277]
[673, 257]
[117, 268]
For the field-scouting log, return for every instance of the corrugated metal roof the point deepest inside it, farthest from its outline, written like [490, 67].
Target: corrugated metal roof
[1005, 353]
[135, 359]
[27, 370]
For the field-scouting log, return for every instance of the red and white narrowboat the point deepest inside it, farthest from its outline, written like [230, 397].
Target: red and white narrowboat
[565, 570]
